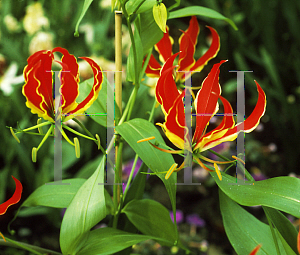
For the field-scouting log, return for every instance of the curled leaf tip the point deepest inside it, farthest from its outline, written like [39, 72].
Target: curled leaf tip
[14, 135]
[34, 154]
[77, 147]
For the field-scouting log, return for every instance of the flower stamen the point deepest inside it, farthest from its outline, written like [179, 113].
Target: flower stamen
[171, 170]
[218, 171]
[146, 139]
[14, 135]
[77, 147]
[236, 158]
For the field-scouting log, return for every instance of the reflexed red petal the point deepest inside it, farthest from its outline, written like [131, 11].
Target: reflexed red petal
[227, 122]
[38, 84]
[69, 80]
[249, 124]
[175, 123]
[98, 79]
[210, 53]
[164, 46]
[255, 250]
[153, 68]
[187, 42]
[15, 197]
[206, 101]
[166, 91]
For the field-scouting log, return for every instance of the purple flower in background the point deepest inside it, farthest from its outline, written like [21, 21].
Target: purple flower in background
[126, 169]
[219, 149]
[179, 216]
[194, 219]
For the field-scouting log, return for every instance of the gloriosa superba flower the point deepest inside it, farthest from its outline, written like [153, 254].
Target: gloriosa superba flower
[187, 45]
[206, 106]
[40, 97]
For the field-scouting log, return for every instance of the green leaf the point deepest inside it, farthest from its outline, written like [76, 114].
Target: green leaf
[151, 218]
[85, 210]
[243, 230]
[57, 196]
[131, 67]
[175, 5]
[108, 241]
[150, 33]
[281, 193]
[201, 11]
[156, 160]
[98, 110]
[85, 7]
[160, 16]
[139, 6]
[285, 228]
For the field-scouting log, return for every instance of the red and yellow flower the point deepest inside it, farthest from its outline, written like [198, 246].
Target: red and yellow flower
[13, 200]
[39, 92]
[206, 106]
[187, 44]
[38, 87]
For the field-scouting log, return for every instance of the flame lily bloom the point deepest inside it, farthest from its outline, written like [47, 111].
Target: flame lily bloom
[206, 106]
[187, 44]
[38, 90]
[13, 200]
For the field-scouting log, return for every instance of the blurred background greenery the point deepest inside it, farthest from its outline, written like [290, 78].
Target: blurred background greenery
[267, 43]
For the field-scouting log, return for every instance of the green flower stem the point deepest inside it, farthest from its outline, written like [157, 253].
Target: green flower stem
[34, 127]
[45, 137]
[77, 133]
[31, 248]
[247, 174]
[66, 137]
[89, 133]
[117, 190]
[131, 175]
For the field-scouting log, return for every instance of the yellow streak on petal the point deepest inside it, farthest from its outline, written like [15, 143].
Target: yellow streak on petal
[14, 135]
[171, 170]
[77, 147]
[239, 159]
[218, 171]
[146, 139]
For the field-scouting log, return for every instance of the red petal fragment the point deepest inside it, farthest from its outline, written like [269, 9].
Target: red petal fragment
[69, 80]
[206, 101]
[166, 91]
[164, 46]
[38, 84]
[210, 53]
[98, 79]
[175, 123]
[227, 122]
[187, 43]
[15, 197]
[255, 250]
[250, 123]
[153, 68]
